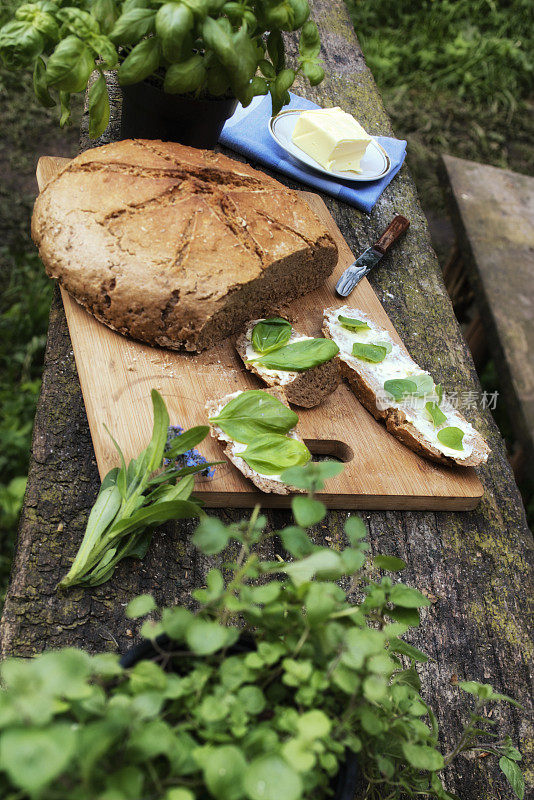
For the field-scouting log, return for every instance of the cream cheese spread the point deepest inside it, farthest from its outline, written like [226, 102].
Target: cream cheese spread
[396, 365]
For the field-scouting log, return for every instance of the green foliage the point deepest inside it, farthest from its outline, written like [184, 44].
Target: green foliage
[133, 501]
[24, 307]
[198, 47]
[271, 721]
[252, 414]
[482, 50]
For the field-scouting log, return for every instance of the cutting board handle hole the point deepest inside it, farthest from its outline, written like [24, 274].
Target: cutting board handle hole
[334, 448]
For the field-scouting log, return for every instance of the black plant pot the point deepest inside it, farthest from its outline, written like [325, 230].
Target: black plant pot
[150, 113]
[348, 780]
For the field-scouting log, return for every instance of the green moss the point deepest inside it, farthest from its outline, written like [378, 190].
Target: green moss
[495, 613]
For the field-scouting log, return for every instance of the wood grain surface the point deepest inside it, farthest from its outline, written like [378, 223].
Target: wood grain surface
[117, 374]
[476, 566]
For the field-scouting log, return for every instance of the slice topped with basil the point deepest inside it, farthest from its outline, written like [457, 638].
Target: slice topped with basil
[253, 414]
[270, 334]
[353, 324]
[299, 356]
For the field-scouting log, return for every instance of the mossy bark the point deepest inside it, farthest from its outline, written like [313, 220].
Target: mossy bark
[474, 566]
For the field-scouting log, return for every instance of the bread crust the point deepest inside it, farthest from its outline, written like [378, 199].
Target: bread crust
[263, 483]
[399, 426]
[175, 246]
[308, 389]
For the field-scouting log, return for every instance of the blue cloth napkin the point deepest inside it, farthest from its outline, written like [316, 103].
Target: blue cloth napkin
[247, 133]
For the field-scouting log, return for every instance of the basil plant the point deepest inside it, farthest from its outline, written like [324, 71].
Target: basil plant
[206, 48]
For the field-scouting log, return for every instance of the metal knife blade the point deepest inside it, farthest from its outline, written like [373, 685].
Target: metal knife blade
[358, 270]
[370, 257]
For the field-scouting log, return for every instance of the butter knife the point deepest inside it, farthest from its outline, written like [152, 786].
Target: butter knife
[370, 257]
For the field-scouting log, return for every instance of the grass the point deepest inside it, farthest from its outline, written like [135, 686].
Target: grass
[455, 75]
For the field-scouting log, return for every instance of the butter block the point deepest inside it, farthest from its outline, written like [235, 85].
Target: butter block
[333, 138]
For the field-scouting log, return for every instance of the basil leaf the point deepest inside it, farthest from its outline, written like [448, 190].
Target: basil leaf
[141, 62]
[132, 25]
[374, 353]
[70, 65]
[451, 437]
[270, 334]
[252, 414]
[424, 383]
[400, 387]
[299, 356]
[387, 345]
[272, 453]
[64, 102]
[98, 107]
[39, 85]
[439, 391]
[353, 324]
[20, 44]
[105, 12]
[435, 413]
[187, 76]
[173, 23]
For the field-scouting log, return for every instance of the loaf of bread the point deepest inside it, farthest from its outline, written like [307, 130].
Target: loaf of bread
[406, 417]
[306, 389]
[265, 483]
[175, 246]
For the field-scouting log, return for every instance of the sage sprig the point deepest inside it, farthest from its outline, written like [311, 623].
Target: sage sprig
[133, 501]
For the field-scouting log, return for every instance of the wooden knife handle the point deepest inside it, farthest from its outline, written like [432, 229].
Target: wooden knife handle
[396, 228]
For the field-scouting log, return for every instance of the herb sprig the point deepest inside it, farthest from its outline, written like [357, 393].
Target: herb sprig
[133, 500]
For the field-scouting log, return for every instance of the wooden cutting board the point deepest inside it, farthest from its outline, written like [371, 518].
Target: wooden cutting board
[117, 374]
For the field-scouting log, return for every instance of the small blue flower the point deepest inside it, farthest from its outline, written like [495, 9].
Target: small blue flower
[191, 458]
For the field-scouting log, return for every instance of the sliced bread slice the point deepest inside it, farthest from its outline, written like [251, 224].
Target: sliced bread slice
[306, 389]
[406, 417]
[265, 483]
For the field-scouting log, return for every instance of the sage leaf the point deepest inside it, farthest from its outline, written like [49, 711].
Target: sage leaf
[400, 388]
[272, 453]
[353, 324]
[299, 356]
[452, 437]
[513, 775]
[98, 107]
[270, 334]
[70, 65]
[435, 413]
[253, 413]
[373, 353]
